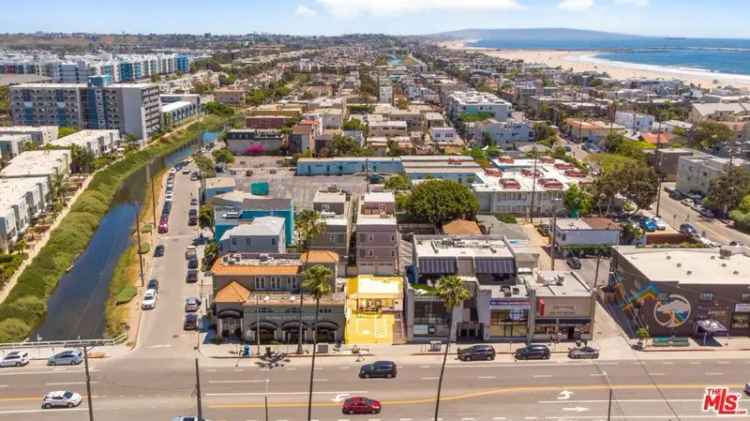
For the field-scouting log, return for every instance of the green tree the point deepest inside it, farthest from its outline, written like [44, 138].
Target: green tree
[66, 131]
[309, 225]
[318, 282]
[708, 134]
[205, 165]
[82, 160]
[218, 109]
[206, 217]
[543, 131]
[727, 190]
[441, 201]
[741, 215]
[223, 156]
[402, 104]
[397, 182]
[640, 185]
[393, 148]
[577, 201]
[452, 293]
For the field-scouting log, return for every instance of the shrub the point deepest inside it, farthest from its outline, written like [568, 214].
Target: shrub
[11, 329]
[125, 295]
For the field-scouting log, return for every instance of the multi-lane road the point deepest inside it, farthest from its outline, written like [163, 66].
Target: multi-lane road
[137, 388]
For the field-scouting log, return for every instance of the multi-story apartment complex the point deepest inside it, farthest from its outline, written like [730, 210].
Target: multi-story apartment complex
[132, 109]
[334, 207]
[77, 69]
[21, 200]
[474, 103]
[695, 172]
[377, 235]
[40, 135]
[98, 142]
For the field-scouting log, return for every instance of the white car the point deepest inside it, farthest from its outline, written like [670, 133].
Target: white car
[61, 399]
[660, 224]
[149, 299]
[169, 197]
[15, 359]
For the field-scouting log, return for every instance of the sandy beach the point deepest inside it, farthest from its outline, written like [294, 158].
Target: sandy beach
[580, 61]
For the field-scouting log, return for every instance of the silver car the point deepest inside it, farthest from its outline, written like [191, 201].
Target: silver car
[61, 399]
[67, 357]
[15, 359]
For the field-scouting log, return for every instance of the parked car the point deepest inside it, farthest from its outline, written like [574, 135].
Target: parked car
[583, 352]
[194, 202]
[688, 229]
[361, 405]
[193, 217]
[15, 359]
[159, 250]
[169, 196]
[573, 262]
[544, 229]
[477, 352]
[191, 322]
[149, 299]
[660, 224]
[192, 276]
[188, 419]
[533, 351]
[191, 252]
[193, 263]
[648, 225]
[707, 213]
[192, 304]
[67, 357]
[163, 226]
[61, 399]
[385, 369]
[747, 388]
[153, 284]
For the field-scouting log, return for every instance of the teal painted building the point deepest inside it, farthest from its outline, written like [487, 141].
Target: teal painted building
[238, 207]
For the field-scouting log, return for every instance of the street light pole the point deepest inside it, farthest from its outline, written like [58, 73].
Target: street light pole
[199, 403]
[138, 236]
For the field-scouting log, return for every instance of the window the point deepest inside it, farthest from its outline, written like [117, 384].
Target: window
[707, 296]
[745, 297]
[273, 241]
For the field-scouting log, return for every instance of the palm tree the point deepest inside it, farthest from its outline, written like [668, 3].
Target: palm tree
[453, 293]
[309, 225]
[56, 188]
[318, 282]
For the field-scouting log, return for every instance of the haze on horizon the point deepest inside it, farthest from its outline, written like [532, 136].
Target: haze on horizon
[678, 18]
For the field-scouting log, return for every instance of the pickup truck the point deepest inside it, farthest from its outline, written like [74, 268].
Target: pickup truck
[191, 253]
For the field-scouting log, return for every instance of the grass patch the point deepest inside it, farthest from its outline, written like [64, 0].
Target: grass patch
[71, 238]
[126, 295]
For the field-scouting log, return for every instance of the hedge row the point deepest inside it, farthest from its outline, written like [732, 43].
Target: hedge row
[26, 305]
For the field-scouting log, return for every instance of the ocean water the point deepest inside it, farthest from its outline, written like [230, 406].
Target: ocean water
[728, 56]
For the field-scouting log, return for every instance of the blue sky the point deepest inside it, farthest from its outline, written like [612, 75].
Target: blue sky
[690, 18]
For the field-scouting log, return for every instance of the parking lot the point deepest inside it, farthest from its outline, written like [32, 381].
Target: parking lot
[284, 183]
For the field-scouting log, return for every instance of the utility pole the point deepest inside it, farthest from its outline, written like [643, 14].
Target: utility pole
[533, 189]
[609, 406]
[88, 382]
[301, 326]
[658, 167]
[138, 237]
[596, 272]
[554, 238]
[198, 391]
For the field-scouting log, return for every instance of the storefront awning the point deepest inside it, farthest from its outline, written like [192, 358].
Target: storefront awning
[437, 266]
[495, 266]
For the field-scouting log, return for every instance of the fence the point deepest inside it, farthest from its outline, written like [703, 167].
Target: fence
[76, 343]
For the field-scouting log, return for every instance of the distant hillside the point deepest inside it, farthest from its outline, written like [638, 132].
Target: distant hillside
[531, 34]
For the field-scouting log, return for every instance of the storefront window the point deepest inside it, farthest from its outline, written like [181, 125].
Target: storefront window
[741, 321]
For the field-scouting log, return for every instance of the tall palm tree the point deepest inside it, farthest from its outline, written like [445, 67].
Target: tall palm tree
[453, 293]
[318, 281]
[309, 225]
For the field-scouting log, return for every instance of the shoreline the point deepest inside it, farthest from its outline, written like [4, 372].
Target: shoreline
[588, 60]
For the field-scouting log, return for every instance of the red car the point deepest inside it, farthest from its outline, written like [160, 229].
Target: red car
[163, 225]
[360, 405]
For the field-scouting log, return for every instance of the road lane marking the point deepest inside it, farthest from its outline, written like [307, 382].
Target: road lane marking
[234, 381]
[67, 383]
[228, 394]
[655, 374]
[487, 377]
[160, 346]
[581, 401]
[698, 363]
[424, 366]
[714, 373]
[722, 362]
[499, 418]
[668, 363]
[320, 380]
[429, 378]
[542, 376]
[404, 419]
[603, 373]
[468, 419]
[39, 411]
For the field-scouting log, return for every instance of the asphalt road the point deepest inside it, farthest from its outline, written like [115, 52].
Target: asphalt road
[138, 388]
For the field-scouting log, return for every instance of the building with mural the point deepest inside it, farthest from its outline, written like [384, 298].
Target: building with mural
[684, 292]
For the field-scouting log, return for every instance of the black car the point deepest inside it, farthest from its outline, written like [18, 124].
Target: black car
[583, 352]
[385, 369]
[193, 263]
[533, 351]
[159, 250]
[477, 352]
[153, 284]
[689, 230]
[191, 322]
[192, 276]
[573, 262]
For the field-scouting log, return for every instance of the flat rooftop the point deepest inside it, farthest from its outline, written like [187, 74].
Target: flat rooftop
[550, 283]
[688, 266]
[464, 246]
[36, 163]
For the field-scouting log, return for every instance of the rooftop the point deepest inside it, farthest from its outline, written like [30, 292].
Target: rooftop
[474, 246]
[220, 182]
[248, 264]
[550, 283]
[262, 226]
[36, 163]
[174, 106]
[688, 266]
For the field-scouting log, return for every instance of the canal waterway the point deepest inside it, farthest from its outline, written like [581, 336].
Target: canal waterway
[76, 307]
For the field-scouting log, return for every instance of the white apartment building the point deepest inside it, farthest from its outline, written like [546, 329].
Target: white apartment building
[695, 173]
[40, 135]
[474, 102]
[98, 142]
[636, 122]
[44, 163]
[444, 135]
[513, 187]
[390, 128]
[12, 144]
[507, 133]
[21, 200]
